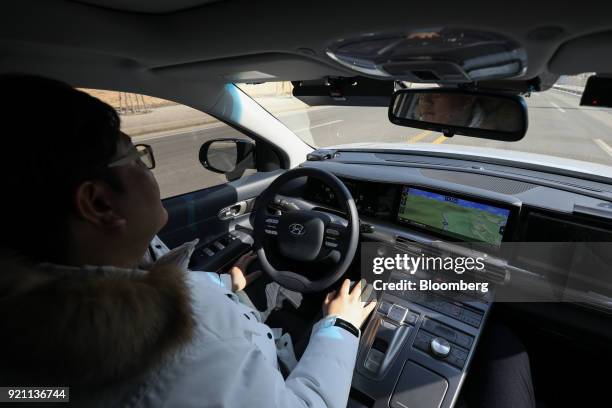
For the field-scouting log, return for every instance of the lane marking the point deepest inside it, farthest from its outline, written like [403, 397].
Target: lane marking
[319, 125]
[181, 131]
[557, 106]
[440, 140]
[567, 92]
[300, 111]
[418, 136]
[604, 146]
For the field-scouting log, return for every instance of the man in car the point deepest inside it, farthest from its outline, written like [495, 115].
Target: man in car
[459, 110]
[465, 110]
[81, 207]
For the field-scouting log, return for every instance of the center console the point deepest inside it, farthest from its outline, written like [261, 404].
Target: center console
[417, 347]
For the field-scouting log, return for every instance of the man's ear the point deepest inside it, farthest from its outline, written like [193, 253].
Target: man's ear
[94, 203]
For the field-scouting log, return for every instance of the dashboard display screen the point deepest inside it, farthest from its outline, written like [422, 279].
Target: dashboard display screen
[452, 216]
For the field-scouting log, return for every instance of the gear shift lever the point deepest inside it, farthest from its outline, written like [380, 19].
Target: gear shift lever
[387, 342]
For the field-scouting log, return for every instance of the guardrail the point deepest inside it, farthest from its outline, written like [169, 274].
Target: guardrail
[575, 90]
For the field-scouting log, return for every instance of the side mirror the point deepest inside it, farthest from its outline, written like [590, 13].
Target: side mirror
[228, 156]
[496, 116]
[597, 92]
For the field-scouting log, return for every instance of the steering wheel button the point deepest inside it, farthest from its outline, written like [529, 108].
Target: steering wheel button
[334, 232]
[331, 244]
[272, 220]
[270, 232]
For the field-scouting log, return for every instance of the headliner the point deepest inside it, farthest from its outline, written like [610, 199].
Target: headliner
[213, 42]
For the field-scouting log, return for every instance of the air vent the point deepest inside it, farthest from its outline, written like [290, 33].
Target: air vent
[496, 184]
[416, 248]
[493, 273]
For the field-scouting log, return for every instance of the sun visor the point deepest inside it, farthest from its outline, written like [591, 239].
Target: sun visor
[589, 53]
[267, 67]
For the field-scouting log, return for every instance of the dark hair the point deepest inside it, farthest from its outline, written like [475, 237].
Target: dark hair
[54, 138]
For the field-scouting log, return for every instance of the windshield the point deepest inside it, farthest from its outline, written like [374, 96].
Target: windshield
[558, 126]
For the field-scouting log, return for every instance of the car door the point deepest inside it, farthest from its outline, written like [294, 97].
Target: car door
[218, 211]
[218, 216]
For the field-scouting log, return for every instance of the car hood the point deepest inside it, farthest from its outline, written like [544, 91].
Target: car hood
[502, 156]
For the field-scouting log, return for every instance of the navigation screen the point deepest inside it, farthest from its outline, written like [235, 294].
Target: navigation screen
[463, 219]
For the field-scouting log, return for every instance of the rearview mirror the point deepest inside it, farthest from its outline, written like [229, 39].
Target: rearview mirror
[452, 111]
[228, 156]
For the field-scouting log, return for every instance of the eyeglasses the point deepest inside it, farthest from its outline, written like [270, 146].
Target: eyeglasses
[142, 152]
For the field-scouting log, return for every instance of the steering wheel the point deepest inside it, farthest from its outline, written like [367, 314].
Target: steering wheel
[306, 236]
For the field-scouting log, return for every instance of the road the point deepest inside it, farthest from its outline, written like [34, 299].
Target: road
[557, 126]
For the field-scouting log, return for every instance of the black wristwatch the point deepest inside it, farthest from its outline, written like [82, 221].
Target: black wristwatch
[349, 327]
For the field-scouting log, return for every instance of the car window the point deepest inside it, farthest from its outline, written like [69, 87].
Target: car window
[559, 127]
[175, 132]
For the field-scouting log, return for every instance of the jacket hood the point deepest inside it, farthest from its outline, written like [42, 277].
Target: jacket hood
[65, 325]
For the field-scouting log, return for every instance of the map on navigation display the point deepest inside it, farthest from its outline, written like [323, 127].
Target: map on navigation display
[465, 219]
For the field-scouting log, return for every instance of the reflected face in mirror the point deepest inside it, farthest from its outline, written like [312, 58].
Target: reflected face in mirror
[445, 108]
[465, 110]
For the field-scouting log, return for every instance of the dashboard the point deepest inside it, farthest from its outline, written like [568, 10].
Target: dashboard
[449, 215]
[526, 239]
[529, 224]
[372, 199]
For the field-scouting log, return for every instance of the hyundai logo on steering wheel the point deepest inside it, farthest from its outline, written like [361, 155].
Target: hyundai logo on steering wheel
[297, 229]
